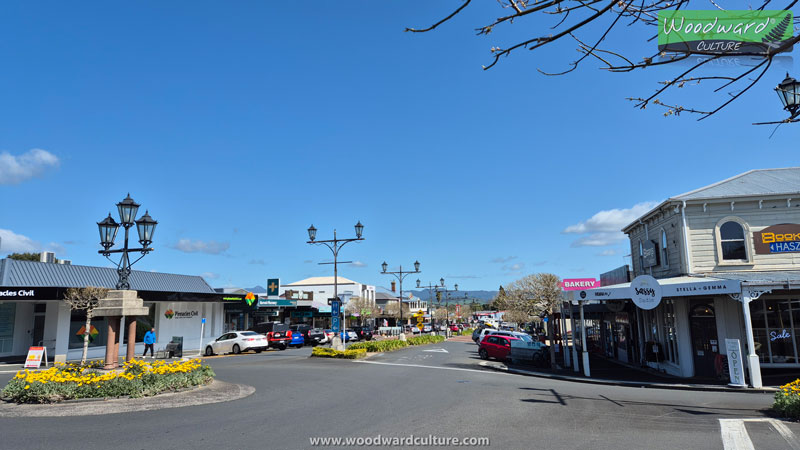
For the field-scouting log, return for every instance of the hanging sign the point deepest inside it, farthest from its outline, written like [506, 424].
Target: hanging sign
[35, 357]
[645, 292]
[735, 365]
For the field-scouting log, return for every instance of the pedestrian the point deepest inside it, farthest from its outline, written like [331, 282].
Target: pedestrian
[149, 340]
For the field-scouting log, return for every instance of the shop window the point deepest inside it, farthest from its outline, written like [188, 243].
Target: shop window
[641, 257]
[732, 240]
[775, 324]
[8, 313]
[759, 321]
[664, 249]
[97, 330]
[145, 323]
[670, 332]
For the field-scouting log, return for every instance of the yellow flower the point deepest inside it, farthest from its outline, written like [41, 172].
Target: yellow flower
[27, 387]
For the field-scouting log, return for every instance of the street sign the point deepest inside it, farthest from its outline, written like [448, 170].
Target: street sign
[262, 302]
[335, 311]
[420, 325]
[203, 321]
[273, 285]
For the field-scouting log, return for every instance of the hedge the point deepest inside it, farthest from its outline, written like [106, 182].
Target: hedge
[426, 339]
[787, 400]
[325, 352]
[380, 346]
[137, 379]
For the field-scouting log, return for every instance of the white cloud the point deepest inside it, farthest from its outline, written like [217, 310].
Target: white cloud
[16, 169]
[11, 242]
[502, 259]
[210, 247]
[259, 262]
[604, 228]
[513, 268]
[608, 252]
[358, 264]
[209, 275]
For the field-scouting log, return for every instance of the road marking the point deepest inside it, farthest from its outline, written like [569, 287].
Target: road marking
[429, 367]
[436, 350]
[735, 437]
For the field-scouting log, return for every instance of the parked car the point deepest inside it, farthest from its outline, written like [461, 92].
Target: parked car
[350, 335]
[364, 333]
[278, 334]
[311, 336]
[329, 334]
[497, 347]
[297, 339]
[455, 328]
[427, 328]
[237, 342]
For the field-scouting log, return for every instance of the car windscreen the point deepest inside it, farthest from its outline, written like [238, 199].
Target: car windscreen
[250, 333]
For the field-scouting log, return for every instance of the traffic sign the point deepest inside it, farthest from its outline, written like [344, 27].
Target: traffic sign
[335, 311]
[335, 324]
[420, 325]
[273, 284]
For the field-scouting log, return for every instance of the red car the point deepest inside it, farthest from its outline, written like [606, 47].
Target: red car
[454, 328]
[497, 347]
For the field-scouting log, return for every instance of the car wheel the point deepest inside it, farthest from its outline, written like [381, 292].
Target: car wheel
[483, 353]
[258, 350]
[209, 351]
[236, 349]
[282, 347]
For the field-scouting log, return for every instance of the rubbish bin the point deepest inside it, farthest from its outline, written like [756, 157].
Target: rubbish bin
[175, 347]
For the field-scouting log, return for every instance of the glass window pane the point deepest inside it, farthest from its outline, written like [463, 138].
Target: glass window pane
[97, 330]
[733, 250]
[145, 323]
[779, 331]
[759, 332]
[731, 230]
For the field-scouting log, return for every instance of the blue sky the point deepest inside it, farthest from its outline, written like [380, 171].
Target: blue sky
[237, 125]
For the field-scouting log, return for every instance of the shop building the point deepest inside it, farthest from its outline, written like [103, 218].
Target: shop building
[32, 310]
[727, 260]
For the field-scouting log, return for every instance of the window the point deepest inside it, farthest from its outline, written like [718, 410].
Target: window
[774, 326]
[664, 249]
[670, 333]
[732, 242]
[641, 257]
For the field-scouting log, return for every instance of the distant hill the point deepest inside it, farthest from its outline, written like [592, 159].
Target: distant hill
[257, 290]
[479, 296]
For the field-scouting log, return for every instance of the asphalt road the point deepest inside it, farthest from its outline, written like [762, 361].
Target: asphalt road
[438, 390]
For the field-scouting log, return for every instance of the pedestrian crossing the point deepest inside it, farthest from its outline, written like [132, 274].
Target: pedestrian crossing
[757, 434]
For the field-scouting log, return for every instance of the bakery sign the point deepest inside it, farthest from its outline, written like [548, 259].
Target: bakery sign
[783, 238]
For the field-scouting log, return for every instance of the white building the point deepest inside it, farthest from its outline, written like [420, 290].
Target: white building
[317, 290]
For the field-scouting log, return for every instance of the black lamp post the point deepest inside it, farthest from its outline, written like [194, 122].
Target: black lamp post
[789, 93]
[145, 226]
[335, 245]
[400, 275]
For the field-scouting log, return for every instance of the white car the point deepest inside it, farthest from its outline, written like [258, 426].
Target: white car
[237, 342]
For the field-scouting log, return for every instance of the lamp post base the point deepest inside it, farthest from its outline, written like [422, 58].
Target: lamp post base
[336, 344]
[402, 336]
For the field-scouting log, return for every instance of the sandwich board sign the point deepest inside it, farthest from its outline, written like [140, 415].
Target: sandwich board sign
[35, 357]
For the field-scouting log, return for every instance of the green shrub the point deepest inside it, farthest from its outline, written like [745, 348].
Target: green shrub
[380, 346]
[787, 400]
[426, 339]
[325, 352]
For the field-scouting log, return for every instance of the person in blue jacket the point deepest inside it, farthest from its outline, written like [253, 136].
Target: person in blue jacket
[149, 340]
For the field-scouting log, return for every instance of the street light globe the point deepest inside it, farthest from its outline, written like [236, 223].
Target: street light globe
[456, 286]
[312, 233]
[146, 226]
[127, 210]
[789, 93]
[384, 266]
[108, 231]
[359, 229]
[416, 266]
[418, 283]
[441, 282]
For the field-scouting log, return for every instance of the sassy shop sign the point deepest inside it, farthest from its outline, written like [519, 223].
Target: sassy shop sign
[715, 32]
[645, 292]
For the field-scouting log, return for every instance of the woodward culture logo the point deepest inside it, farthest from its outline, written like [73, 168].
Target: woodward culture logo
[724, 32]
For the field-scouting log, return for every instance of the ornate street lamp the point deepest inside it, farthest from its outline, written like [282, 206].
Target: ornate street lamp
[108, 228]
[335, 245]
[401, 275]
[789, 93]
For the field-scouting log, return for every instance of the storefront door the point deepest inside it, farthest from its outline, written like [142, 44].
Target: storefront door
[705, 348]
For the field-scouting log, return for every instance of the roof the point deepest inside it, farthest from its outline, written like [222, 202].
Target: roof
[320, 281]
[789, 278]
[37, 274]
[754, 183]
[682, 286]
[384, 296]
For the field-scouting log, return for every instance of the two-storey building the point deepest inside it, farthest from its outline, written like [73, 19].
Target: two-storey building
[727, 258]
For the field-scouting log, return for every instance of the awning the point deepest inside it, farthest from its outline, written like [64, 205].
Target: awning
[670, 287]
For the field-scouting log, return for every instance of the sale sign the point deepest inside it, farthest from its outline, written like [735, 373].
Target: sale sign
[35, 357]
[579, 284]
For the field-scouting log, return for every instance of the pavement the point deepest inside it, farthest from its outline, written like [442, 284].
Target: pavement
[436, 390]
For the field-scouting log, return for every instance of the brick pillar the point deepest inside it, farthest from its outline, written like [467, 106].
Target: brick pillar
[131, 349]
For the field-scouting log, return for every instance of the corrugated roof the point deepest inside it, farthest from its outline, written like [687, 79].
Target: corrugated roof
[320, 281]
[37, 274]
[788, 277]
[752, 183]
[384, 296]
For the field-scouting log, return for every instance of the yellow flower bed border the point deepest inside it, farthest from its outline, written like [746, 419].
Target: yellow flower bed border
[136, 378]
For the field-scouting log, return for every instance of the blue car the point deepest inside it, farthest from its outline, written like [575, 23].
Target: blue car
[297, 339]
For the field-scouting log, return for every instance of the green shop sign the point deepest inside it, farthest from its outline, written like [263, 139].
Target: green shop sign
[715, 32]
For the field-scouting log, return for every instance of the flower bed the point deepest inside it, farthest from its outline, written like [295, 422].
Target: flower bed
[427, 339]
[351, 353]
[787, 400]
[380, 346]
[136, 379]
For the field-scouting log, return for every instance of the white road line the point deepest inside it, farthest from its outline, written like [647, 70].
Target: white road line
[734, 435]
[436, 350]
[431, 367]
[787, 434]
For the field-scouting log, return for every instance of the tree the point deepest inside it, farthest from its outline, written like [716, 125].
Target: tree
[85, 299]
[24, 256]
[536, 295]
[591, 23]
[393, 310]
[361, 308]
